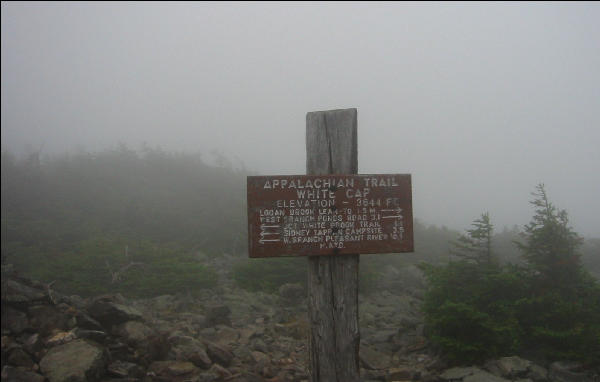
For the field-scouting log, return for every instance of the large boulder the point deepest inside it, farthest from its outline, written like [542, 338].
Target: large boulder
[19, 292]
[109, 311]
[76, 361]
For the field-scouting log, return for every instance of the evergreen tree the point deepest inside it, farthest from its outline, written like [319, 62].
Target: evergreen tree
[551, 246]
[476, 244]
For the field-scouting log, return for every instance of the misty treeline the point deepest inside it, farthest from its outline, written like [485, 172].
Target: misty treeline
[120, 220]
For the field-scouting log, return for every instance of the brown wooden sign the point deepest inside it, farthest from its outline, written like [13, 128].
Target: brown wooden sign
[305, 215]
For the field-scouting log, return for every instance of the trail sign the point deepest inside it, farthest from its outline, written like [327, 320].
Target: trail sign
[306, 215]
[331, 211]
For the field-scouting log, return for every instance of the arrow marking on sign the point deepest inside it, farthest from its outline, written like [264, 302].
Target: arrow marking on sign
[396, 210]
[262, 241]
[262, 226]
[392, 217]
[263, 234]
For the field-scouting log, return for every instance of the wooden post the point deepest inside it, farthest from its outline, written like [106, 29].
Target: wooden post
[331, 148]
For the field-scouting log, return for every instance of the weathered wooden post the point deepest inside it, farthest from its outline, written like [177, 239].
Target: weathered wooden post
[331, 148]
[331, 214]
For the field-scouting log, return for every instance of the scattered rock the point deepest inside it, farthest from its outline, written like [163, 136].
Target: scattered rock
[228, 335]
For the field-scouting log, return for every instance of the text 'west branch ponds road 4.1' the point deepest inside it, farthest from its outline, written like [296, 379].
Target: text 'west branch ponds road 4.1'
[305, 215]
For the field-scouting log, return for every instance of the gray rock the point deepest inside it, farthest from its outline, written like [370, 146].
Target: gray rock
[291, 294]
[226, 335]
[218, 353]
[220, 371]
[76, 361]
[372, 359]
[16, 374]
[218, 314]
[14, 320]
[122, 369]
[18, 357]
[537, 373]
[15, 292]
[165, 302]
[110, 313]
[259, 344]
[260, 357]
[171, 369]
[509, 367]
[185, 348]
[567, 372]
[84, 321]
[250, 332]
[483, 376]
[134, 332]
[33, 344]
[94, 335]
[46, 319]
[382, 336]
[457, 373]
[400, 374]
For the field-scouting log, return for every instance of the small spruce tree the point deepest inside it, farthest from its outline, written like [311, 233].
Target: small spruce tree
[476, 244]
[551, 246]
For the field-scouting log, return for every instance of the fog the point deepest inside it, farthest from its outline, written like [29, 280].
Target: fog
[478, 102]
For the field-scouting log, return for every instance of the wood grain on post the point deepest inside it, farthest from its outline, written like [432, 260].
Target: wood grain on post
[331, 148]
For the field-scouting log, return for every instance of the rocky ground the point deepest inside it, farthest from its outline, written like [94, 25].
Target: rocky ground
[227, 334]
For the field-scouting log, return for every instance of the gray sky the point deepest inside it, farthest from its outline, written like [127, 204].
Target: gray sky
[479, 102]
